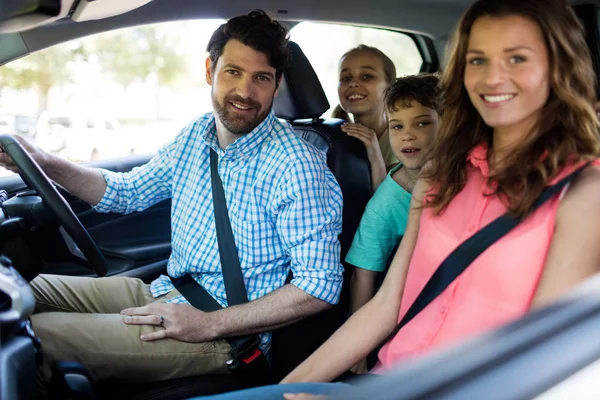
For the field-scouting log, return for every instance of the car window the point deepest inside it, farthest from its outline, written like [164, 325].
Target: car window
[112, 94]
[324, 54]
[4, 127]
[24, 125]
[149, 80]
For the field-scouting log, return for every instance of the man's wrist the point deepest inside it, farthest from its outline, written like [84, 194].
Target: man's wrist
[43, 160]
[215, 326]
[50, 164]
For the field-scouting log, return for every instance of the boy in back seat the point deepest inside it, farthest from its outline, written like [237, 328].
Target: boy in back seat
[411, 106]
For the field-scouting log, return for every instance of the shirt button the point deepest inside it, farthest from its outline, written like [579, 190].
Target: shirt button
[471, 228]
[443, 310]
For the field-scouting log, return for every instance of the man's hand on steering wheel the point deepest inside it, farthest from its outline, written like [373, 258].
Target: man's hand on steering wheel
[20, 156]
[40, 156]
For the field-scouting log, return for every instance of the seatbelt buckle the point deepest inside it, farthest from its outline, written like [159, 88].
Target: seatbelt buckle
[235, 365]
[248, 362]
[242, 348]
[254, 370]
[257, 353]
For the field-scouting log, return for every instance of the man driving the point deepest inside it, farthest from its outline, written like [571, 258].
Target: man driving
[285, 210]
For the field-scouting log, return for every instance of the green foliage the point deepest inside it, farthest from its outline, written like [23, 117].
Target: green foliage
[127, 55]
[139, 53]
[43, 69]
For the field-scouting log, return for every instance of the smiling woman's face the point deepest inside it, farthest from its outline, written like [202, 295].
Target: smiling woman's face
[506, 72]
[362, 83]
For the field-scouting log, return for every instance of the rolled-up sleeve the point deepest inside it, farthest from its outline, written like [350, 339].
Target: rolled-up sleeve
[309, 222]
[143, 186]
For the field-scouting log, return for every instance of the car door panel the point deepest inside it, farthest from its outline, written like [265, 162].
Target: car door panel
[137, 244]
[139, 237]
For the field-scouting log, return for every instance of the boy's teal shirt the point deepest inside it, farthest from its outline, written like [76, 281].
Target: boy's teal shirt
[381, 226]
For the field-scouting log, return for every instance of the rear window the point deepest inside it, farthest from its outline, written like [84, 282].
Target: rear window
[324, 44]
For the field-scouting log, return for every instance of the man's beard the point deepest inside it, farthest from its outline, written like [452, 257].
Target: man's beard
[239, 124]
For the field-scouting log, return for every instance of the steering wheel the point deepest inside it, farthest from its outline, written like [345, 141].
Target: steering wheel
[55, 202]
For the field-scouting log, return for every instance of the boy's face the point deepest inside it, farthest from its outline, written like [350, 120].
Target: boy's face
[412, 130]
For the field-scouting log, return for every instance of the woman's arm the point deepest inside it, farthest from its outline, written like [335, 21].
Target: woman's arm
[574, 253]
[370, 325]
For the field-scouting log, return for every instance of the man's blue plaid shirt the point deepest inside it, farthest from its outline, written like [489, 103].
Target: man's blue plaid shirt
[284, 204]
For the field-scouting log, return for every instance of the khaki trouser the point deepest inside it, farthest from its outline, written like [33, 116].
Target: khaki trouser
[77, 319]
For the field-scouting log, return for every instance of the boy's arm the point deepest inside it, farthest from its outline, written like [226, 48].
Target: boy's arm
[362, 287]
[373, 244]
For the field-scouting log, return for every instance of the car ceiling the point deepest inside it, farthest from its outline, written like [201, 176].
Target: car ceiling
[434, 18]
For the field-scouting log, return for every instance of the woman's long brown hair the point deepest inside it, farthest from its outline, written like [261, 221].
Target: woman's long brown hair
[567, 131]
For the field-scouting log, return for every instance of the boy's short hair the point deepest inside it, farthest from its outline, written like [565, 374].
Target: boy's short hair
[422, 88]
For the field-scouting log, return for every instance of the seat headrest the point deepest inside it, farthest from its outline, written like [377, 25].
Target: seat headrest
[300, 92]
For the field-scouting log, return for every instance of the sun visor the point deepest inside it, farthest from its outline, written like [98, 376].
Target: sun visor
[21, 15]
[88, 10]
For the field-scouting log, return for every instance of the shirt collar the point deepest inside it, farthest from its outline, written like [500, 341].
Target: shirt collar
[478, 158]
[247, 145]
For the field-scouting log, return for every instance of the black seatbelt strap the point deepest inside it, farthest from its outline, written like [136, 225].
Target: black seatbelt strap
[458, 261]
[230, 262]
[244, 349]
[196, 294]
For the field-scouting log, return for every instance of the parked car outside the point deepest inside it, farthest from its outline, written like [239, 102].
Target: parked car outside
[23, 125]
[81, 137]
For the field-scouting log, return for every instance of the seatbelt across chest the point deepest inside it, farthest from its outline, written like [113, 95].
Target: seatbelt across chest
[230, 262]
[244, 349]
[460, 259]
